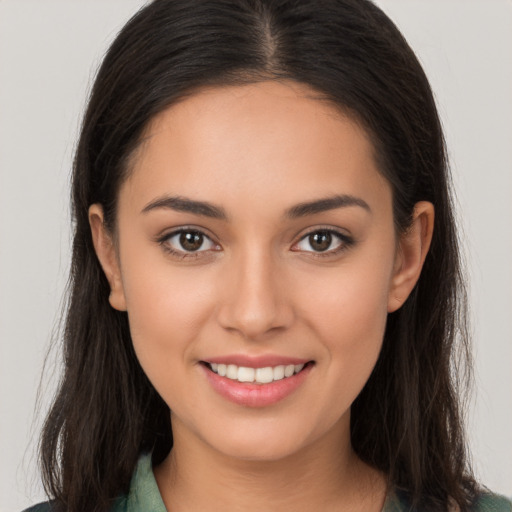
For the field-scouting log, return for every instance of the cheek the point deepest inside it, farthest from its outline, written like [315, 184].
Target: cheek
[166, 308]
[352, 333]
[349, 302]
[348, 314]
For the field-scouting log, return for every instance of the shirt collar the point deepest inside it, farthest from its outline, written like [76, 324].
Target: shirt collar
[144, 494]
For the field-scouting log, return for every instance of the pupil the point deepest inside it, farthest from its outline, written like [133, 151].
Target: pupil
[321, 240]
[191, 241]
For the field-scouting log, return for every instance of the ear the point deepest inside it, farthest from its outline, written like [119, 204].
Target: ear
[106, 252]
[412, 251]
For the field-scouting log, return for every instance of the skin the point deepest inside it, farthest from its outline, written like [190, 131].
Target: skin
[260, 286]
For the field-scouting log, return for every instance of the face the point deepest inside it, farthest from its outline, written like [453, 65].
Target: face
[256, 256]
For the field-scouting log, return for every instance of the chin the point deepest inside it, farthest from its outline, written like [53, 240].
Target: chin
[259, 443]
[261, 452]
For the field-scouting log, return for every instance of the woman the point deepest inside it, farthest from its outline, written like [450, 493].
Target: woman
[265, 246]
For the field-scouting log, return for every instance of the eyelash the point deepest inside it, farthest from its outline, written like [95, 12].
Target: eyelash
[182, 255]
[345, 243]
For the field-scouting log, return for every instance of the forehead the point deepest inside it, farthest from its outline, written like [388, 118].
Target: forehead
[268, 142]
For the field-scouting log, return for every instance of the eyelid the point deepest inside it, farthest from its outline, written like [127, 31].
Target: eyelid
[170, 231]
[182, 254]
[346, 241]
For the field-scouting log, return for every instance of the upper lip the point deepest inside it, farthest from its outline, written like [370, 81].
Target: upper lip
[262, 361]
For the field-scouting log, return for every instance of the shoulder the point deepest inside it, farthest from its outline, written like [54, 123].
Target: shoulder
[41, 507]
[120, 505]
[143, 495]
[489, 502]
[485, 502]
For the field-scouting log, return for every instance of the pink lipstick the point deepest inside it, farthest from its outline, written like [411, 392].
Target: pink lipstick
[256, 381]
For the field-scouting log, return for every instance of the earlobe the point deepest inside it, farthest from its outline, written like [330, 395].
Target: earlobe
[412, 251]
[106, 253]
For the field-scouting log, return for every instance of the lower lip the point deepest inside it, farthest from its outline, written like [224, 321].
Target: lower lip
[256, 395]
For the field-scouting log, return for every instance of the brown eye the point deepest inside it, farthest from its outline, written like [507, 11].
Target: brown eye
[325, 241]
[185, 242]
[320, 241]
[191, 240]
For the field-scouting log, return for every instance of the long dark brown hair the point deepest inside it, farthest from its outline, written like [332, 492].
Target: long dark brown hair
[407, 421]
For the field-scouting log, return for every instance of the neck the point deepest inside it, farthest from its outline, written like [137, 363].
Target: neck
[325, 475]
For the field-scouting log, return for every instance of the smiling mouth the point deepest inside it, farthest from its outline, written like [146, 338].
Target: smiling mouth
[248, 375]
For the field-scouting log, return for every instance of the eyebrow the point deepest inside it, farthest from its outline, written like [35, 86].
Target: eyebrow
[323, 205]
[184, 204]
[206, 209]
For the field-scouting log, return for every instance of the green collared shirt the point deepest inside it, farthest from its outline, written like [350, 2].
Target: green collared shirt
[144, 496]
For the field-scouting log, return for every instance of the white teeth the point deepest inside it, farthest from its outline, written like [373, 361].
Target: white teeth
[264, 375]
[259, 375]
[232, 371]
[245, 374]
[279, 372]
[288, 370]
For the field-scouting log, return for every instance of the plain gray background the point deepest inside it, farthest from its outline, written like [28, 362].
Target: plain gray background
[49, 51]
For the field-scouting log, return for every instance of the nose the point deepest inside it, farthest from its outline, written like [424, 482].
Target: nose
[255, 299]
